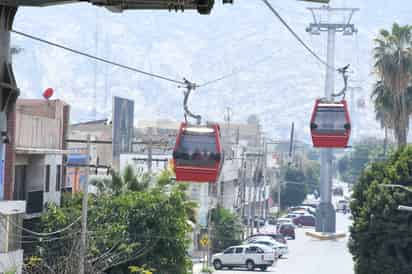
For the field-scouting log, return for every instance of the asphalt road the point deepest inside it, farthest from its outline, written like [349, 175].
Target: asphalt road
[311, 256]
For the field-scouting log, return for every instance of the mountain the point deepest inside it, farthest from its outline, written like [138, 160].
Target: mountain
[278, 79]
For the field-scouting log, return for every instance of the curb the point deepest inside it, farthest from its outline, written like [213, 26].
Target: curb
[325, 236]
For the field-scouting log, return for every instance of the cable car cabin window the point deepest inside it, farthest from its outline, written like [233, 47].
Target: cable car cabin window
[197, 149]
[330, 120]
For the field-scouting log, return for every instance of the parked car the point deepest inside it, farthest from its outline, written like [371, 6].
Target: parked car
[305, 220]
[250, 256]
[291, 215]
[303, 208]
[272, 220]
[287, 230]
[281, 221]
[275, 236]
[279, 249]
[256, 220]
[342, 206]
[300, 212]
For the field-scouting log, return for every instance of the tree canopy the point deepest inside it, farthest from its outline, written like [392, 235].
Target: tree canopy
[393, 66]
[381, 235]
[130, 227]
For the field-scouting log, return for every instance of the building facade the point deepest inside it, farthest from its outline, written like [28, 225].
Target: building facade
[34, 169]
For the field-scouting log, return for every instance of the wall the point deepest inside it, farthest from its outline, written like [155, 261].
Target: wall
[38, 132]
[11, 254]
[229, 194]
[10, 156]
[35, 173]
[34, 123]
[11, 261]
[53, 196]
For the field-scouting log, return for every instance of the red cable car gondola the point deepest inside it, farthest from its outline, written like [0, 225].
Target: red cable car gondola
[197, 155]
[330, 124]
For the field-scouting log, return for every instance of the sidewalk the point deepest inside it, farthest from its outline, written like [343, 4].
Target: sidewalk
[197, 267]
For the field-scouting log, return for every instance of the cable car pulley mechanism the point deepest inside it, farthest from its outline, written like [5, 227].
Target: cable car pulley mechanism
[189, 86]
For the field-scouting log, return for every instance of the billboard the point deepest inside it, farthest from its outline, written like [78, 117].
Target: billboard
[123, 120]
[76, 171]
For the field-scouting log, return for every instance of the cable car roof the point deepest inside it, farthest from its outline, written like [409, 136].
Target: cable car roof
[330, 105]
[199, 129]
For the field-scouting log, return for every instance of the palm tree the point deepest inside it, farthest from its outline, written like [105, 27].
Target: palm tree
[118, 183]
[393, 65]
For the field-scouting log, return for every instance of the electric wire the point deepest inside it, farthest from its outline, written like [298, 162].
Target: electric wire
[41, 234]
[234, 72]
[158, 76]
[300, 40]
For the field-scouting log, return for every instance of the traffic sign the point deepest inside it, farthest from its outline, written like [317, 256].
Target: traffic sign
[204, 241]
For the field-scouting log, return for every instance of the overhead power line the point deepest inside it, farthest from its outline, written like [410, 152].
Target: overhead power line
[234, 72]
[39, 233]
[309, 49]
[165, 78]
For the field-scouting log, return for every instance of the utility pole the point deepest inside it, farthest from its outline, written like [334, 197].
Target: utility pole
[326, 216]
[291, 143]
[150, 152]
[83, 236]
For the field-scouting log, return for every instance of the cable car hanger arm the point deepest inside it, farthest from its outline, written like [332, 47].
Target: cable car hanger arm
[344, 72]
[189, 87]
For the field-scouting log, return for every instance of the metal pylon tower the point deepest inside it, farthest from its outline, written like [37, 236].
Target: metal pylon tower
[330, 20]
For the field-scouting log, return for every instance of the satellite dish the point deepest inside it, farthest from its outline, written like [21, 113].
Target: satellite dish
[48, 93]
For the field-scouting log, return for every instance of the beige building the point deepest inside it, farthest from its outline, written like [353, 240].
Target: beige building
[35, 155]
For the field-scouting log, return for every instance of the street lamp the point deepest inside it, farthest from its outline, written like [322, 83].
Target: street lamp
[400, 207]
[397, 186]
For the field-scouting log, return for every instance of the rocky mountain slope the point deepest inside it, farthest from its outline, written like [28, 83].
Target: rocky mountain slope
[279, 80]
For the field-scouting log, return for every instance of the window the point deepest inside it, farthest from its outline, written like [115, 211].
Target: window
[58, 177]
[264, 243]
[251, 250]
[197, 150]
[47, 178]
[330, 120]
[254, 250]
[229, 251]
[239, 250]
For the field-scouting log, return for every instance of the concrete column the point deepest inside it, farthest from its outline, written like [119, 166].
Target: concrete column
[326, 216]
[8, 95]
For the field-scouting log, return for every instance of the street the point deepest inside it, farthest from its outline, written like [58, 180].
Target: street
[311, 256]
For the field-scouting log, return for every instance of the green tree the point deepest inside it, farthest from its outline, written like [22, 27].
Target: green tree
[227, 229]
[311, 171]
[381, 235]
[393, 65]
[129, 227]
[293, 189]
[351, 165]
[117, 183]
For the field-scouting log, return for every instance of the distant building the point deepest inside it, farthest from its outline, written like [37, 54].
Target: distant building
[140, 162]
[100, 130]
[34, 157]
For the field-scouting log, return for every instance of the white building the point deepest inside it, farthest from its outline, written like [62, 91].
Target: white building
[140, 162]
[11, 219]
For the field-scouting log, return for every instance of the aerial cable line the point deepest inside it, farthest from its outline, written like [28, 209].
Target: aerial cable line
[98, 58]
[234, 72]
[39, 233]
[309, 49]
